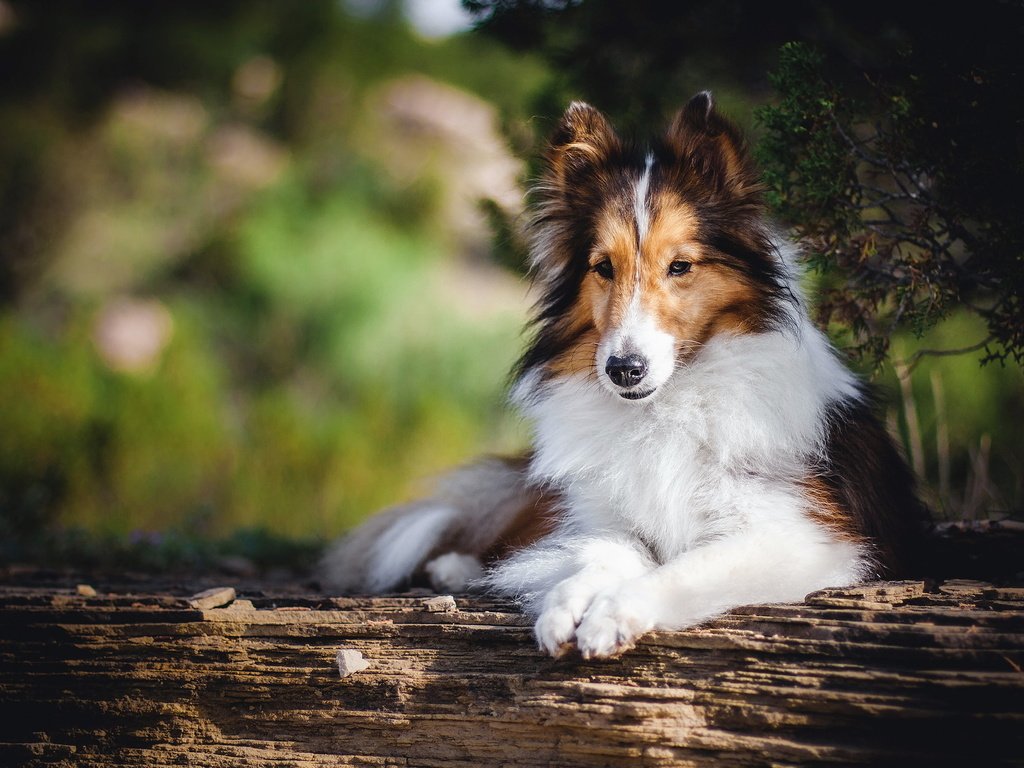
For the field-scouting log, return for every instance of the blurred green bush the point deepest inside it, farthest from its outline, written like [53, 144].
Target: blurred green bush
[258, 303]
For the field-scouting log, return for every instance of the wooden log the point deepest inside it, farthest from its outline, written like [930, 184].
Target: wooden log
[902, 673]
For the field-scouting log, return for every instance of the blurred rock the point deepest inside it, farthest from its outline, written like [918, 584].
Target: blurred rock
[256, 80]
[131, 334]
[153, 115]
[240, 155]
[422, 129]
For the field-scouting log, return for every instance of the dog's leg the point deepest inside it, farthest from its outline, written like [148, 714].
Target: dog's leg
[762, 564]
[558, 578]
[565, 605]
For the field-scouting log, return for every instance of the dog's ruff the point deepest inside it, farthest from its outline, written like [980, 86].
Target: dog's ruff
[697, 444]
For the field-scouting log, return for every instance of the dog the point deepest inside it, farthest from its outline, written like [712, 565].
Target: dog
[697, 443]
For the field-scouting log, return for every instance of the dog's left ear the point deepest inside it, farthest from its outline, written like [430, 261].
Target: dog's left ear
[710, 145]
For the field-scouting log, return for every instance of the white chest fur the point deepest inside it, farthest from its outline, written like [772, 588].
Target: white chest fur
[723, 441]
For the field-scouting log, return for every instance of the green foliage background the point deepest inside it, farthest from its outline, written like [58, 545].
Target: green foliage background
[320, 366]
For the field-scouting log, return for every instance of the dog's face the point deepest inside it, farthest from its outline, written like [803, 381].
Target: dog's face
[647, 253]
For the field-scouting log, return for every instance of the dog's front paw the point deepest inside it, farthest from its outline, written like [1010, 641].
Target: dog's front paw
[563, 608]
[554, 630]
[613, 623]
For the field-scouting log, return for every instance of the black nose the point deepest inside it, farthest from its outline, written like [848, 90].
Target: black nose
[626, 371]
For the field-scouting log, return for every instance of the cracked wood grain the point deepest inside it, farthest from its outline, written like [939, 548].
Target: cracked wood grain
[889, 673]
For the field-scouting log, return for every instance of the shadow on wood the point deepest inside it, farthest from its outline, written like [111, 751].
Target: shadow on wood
[899, 672]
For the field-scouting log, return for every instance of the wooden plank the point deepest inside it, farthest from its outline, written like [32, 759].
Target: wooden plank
[899, 672]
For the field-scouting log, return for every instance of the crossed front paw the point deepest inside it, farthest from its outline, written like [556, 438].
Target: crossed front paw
[603, 624]
[554, 630]
[613, 623]
[562, 612]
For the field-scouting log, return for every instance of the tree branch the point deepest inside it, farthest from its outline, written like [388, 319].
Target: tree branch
[912, 362]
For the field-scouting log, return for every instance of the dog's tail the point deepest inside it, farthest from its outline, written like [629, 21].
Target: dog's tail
[477, 514]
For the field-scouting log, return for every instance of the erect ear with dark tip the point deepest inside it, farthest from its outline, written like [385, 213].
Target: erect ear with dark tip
[712, 146]
[699, 117]
[698, 111]
[582, 142]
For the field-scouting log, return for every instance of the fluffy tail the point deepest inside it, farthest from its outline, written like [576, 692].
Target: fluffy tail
[476, 515]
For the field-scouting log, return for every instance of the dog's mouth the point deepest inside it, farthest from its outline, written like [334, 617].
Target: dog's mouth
[636, 394]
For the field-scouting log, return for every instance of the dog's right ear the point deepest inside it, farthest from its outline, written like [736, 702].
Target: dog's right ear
[579, 147]
[577, 161]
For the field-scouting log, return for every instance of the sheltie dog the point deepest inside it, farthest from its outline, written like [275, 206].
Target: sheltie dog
[697, 443]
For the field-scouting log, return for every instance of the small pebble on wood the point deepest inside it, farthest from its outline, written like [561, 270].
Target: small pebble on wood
[441, 604]
[351, 661]
[212, 598]
[85, 590]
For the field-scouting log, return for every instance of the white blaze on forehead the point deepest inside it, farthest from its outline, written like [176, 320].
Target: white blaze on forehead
[640, 209]
[637, 332]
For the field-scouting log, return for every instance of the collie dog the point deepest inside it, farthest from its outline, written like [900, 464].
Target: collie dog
[697, 445]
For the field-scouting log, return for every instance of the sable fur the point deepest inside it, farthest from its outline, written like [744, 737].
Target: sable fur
[739, 461]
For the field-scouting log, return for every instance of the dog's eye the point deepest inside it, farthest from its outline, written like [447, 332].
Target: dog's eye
[677, 268]
[604, 269]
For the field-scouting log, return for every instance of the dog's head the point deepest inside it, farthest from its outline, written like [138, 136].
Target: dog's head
[645, 252]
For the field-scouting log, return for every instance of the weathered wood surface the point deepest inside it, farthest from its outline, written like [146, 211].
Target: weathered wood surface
[893, 673]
